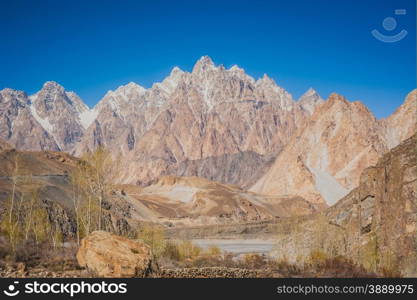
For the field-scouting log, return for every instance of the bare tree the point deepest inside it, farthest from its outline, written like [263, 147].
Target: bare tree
[14, 178]
[92, 180]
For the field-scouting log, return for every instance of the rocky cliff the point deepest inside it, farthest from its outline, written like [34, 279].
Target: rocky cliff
[323, 160]
[374, 225]
[18, 126]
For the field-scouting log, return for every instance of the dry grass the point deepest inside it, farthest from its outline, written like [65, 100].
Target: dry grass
[154, 237]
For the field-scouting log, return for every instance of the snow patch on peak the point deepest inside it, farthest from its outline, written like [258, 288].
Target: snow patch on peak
[87, 117]
[46, 125]
[330, 189]
[327, 185]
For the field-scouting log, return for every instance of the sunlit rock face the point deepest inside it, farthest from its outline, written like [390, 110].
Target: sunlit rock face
[374, 225]
[214, 122]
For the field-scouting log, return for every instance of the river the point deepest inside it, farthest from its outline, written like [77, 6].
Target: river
[238, 246]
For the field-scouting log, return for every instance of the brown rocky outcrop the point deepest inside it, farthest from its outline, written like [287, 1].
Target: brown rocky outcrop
[374, 225]
[108, 255]
[4, 145]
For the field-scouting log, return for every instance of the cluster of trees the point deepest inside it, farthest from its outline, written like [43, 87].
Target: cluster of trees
[24, 217]
[92, 180]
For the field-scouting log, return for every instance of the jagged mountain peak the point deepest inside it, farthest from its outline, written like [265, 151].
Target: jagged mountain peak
[309, 100]
[268, 87]
[310, 92]
[403, 122]
[205, 60]
[50, 93]
[338, 104]
[335, 97]
[266, 79]
[269, 82]
[410, 100]
[52, 86]
[203, 64]
[236, 68]
[170, 83]
[18, 98]
[176, 70]
[9, 91]
[130, 88]
[124, 92]
[196, 122]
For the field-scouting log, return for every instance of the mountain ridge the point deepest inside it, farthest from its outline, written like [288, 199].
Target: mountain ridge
[212, 122]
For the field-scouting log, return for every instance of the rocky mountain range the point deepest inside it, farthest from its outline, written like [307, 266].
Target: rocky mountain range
[325, 158]
[172, 201]
[216, 123]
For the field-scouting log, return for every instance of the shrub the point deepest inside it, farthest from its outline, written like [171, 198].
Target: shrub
[254, 261]
[317, 257]
[213, 251]
[188, 250]
[154, 237]
[171, 251]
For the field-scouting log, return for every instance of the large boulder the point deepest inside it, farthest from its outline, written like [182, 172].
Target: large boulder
[108, 255]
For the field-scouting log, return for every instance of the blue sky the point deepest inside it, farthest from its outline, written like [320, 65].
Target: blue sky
[93, 46]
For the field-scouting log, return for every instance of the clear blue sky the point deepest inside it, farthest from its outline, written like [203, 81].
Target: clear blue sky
[93, 46]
